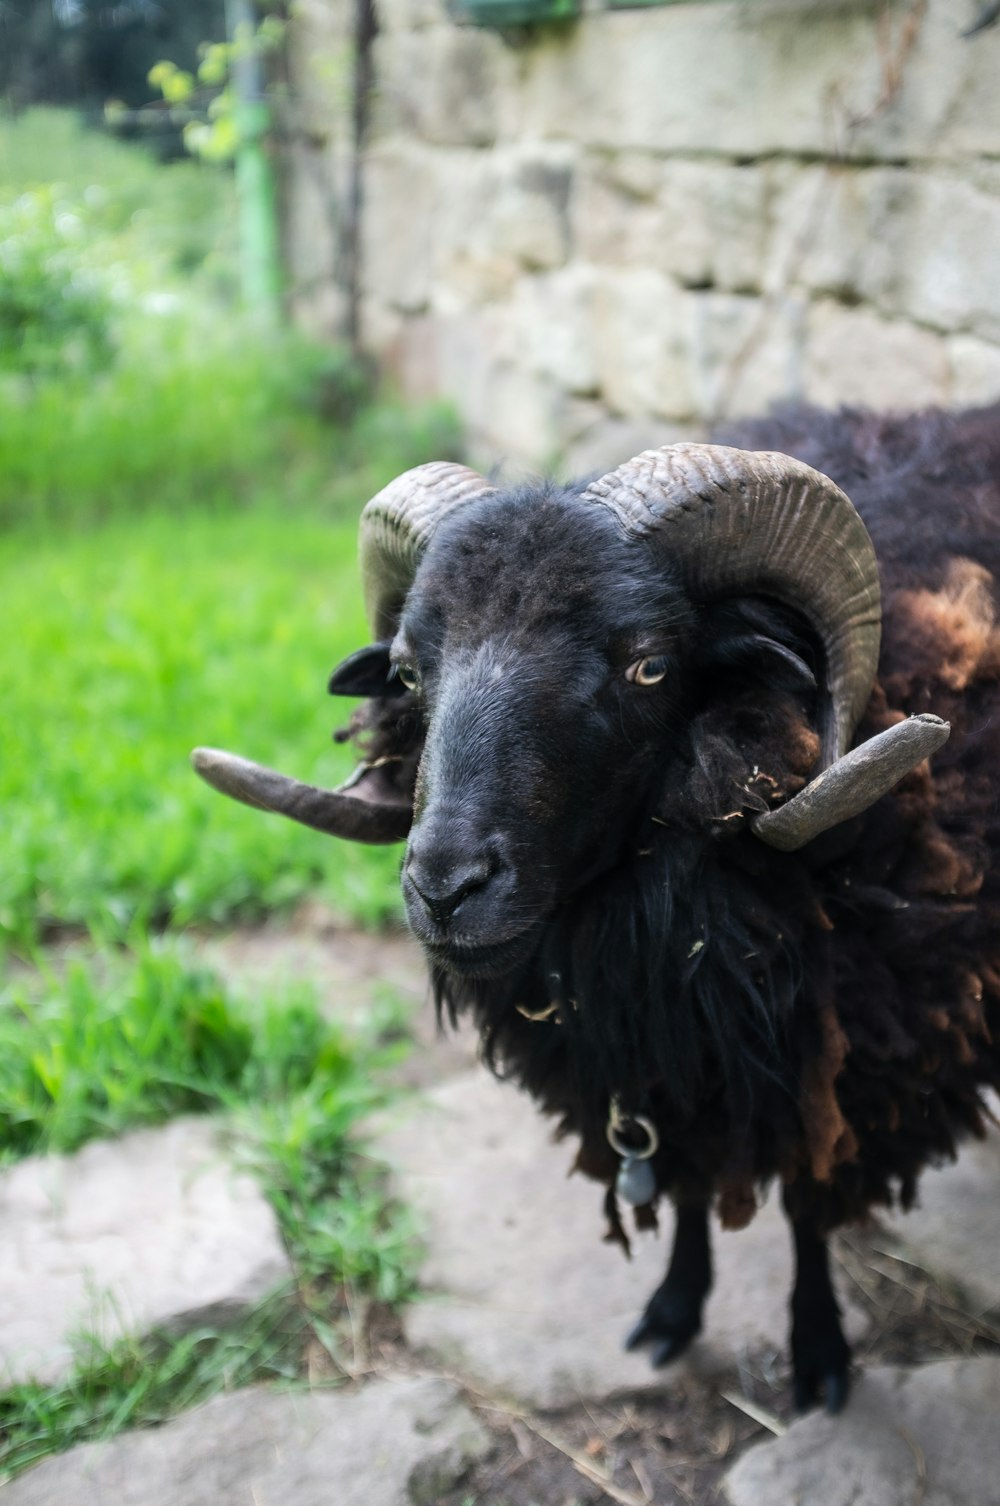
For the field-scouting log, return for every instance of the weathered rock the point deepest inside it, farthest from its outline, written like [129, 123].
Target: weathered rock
[643, 339]
[854, 356]
[954, 1232]
[928, 1434]
[443, 84]
[153, 1229]
[398, 1442]
[714, 224]
[746, 353]
[684, 79]
[975, 370]
[397, 230]
[598, 444]
[497, 215]
[523, 1296]
[945, 254]
[553, 317]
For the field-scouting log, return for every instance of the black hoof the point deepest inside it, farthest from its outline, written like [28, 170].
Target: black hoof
[668, 1325]
[833, 1387]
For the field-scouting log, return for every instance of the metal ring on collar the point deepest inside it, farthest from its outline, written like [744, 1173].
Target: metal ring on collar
[618, 1144]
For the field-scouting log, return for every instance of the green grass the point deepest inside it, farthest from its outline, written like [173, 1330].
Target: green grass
[203, 420]
[136, 1383]
[178, 217]
[120, 650]
[113, 1041]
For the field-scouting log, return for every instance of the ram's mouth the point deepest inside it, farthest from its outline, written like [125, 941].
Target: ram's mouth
[490, 960]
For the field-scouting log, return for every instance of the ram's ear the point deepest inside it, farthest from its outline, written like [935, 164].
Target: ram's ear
[368, 671]
[751, 640]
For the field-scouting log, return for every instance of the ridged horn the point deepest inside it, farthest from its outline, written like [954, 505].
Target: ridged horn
[752, 521]
[396, 527]
[853, 783]
[349, 811]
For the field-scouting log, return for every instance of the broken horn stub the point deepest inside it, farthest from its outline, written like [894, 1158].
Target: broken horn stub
[346, 812]
[853, 783]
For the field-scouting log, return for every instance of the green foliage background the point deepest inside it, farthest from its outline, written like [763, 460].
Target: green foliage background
[179, 494]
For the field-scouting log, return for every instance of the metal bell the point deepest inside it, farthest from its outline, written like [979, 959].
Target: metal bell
[635, 1183]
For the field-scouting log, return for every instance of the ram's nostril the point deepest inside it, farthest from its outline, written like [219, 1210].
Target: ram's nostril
[443, 892]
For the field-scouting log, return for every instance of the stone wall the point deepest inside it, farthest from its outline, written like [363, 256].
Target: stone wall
[601, 236]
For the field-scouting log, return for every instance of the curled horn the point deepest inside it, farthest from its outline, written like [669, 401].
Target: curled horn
[395, 529]
[740, 521]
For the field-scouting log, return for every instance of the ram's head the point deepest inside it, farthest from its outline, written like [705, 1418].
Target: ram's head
[555, 665]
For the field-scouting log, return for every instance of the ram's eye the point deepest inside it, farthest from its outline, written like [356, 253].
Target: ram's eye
[647, 671]
[406, 676]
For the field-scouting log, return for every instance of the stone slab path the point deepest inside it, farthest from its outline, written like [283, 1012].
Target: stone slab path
[955, 1232]
[153, 1229]
[522, 1307]
[928, 1435]
[399, 1442]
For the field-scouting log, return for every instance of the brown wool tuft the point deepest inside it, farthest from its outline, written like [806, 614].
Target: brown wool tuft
[830, 1140]
[736, 1204]
[950, 634]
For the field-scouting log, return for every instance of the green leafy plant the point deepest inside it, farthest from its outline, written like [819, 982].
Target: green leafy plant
[57, 308]
[215, 123]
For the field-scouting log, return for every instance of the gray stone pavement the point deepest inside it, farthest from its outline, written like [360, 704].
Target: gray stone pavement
[955, 1232]
[153, 1229]
[521, 1298]
[398, 1442]
[926, 1436]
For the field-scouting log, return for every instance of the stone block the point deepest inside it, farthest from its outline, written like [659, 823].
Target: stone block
[746, 353]
[694, 79]
[402, 1441]
[397, 225]
[975, 371]
[523, 1295]
[715, 223]
[519, 426]
[853, 356]
[151, 1230]
[553, 326]
[611, 227]
[929, 1434]
[442, 85]
[836, 231]
[497, 214]
[409, 15]
[643, 342]
[596, 443]
[947, 256]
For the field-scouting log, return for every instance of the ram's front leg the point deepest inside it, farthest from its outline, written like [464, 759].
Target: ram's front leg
[821, 1356]
[673, 1313]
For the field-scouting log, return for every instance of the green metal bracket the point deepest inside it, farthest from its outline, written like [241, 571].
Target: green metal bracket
[513, 12]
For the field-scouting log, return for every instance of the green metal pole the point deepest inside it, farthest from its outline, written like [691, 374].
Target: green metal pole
[258, 216]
